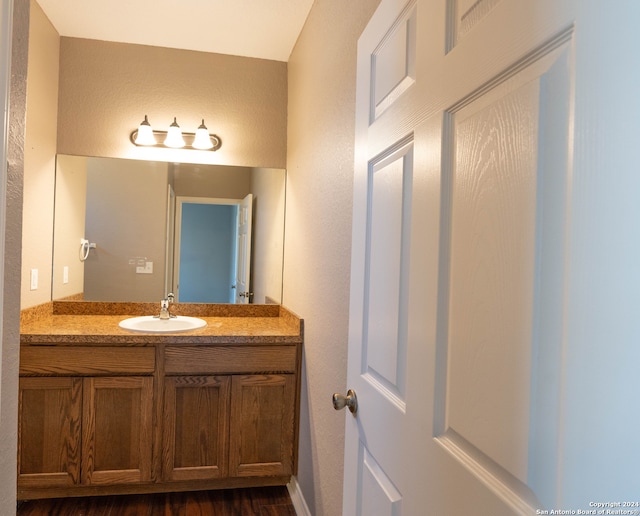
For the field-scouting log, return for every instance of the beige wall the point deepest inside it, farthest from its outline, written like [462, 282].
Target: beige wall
[268, 235]
[318, 231]
[127, 220]
[107, 88]
[39, 157]
[69, 225]
[190, 180]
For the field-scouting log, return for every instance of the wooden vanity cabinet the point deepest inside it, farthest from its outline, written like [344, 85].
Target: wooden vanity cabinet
[78, 423]
[256, 437]
[228, 426]
[99, 427]
[163, 417]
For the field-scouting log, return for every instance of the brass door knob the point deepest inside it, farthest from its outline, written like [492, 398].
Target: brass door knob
[350, 400]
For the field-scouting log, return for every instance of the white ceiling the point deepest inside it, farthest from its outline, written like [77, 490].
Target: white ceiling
[266, 29]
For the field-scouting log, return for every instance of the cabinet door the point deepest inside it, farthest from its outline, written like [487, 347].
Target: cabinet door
[49, 432]
[116, 435]
[195, 433]
[262, 425]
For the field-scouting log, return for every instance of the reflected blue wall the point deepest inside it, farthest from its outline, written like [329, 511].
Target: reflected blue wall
[207, 253]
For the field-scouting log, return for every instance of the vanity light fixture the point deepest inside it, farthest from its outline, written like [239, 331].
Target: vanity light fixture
[174, 138]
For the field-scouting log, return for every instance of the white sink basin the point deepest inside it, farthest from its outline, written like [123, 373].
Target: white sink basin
[151, 324]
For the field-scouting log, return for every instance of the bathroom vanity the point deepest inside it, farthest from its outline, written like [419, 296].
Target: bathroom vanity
[104, 410]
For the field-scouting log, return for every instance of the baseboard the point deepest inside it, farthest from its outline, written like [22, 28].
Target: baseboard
[298, 501]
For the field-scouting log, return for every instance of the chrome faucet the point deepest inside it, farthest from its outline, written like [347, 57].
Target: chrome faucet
[164, 307]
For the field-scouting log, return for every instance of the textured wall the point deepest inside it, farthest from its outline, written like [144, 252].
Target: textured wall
[107, 88]
[12, 244]
[322, 75]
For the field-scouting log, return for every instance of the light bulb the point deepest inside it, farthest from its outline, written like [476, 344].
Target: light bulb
[202, 139]
[174, 136]
[145, 133]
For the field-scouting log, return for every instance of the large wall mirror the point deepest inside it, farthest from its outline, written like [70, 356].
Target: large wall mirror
[132, 230]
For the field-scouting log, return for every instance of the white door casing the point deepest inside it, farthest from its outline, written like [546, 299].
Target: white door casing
[463, 312]
[170, 239]
[243, 251]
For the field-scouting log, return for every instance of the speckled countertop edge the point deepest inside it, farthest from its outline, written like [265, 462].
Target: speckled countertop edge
[97, 324]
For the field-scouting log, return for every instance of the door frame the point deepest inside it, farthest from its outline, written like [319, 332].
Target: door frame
[171, 240]
[180, 200]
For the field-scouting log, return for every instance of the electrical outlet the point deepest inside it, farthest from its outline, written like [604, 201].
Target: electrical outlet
[65, 274]
[34, 279]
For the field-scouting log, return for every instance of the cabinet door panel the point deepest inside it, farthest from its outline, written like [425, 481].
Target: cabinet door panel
[196, 415]
[116, 443]
[262, 425]
[49, 432]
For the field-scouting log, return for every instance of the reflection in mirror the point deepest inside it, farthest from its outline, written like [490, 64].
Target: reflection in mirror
[127, 208]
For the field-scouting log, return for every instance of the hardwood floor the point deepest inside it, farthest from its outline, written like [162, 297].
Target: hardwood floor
[262, 501]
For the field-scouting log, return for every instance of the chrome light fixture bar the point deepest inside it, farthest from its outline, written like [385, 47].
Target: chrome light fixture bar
[174, 138]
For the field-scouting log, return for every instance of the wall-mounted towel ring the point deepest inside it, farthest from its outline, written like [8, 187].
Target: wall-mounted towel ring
[85, 247]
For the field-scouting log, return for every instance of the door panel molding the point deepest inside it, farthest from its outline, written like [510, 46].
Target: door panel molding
[377, 493]
[464, 15]
[548, 52]
[515, 493]
[538, 89]
[393, 62]
[386, 269]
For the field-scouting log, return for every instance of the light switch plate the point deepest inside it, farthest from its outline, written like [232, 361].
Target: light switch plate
[34, 279]
[147, 268]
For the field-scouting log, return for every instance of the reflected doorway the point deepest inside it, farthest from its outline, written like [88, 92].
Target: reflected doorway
[213, 249]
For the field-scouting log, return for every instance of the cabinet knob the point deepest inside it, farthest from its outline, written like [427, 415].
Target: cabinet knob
[350, 400]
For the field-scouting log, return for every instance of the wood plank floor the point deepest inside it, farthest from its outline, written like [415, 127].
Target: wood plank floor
[262, 501]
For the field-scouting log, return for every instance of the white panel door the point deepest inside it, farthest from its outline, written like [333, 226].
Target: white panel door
[478, 147]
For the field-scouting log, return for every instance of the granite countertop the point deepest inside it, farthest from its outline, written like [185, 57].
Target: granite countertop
[97, 323]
